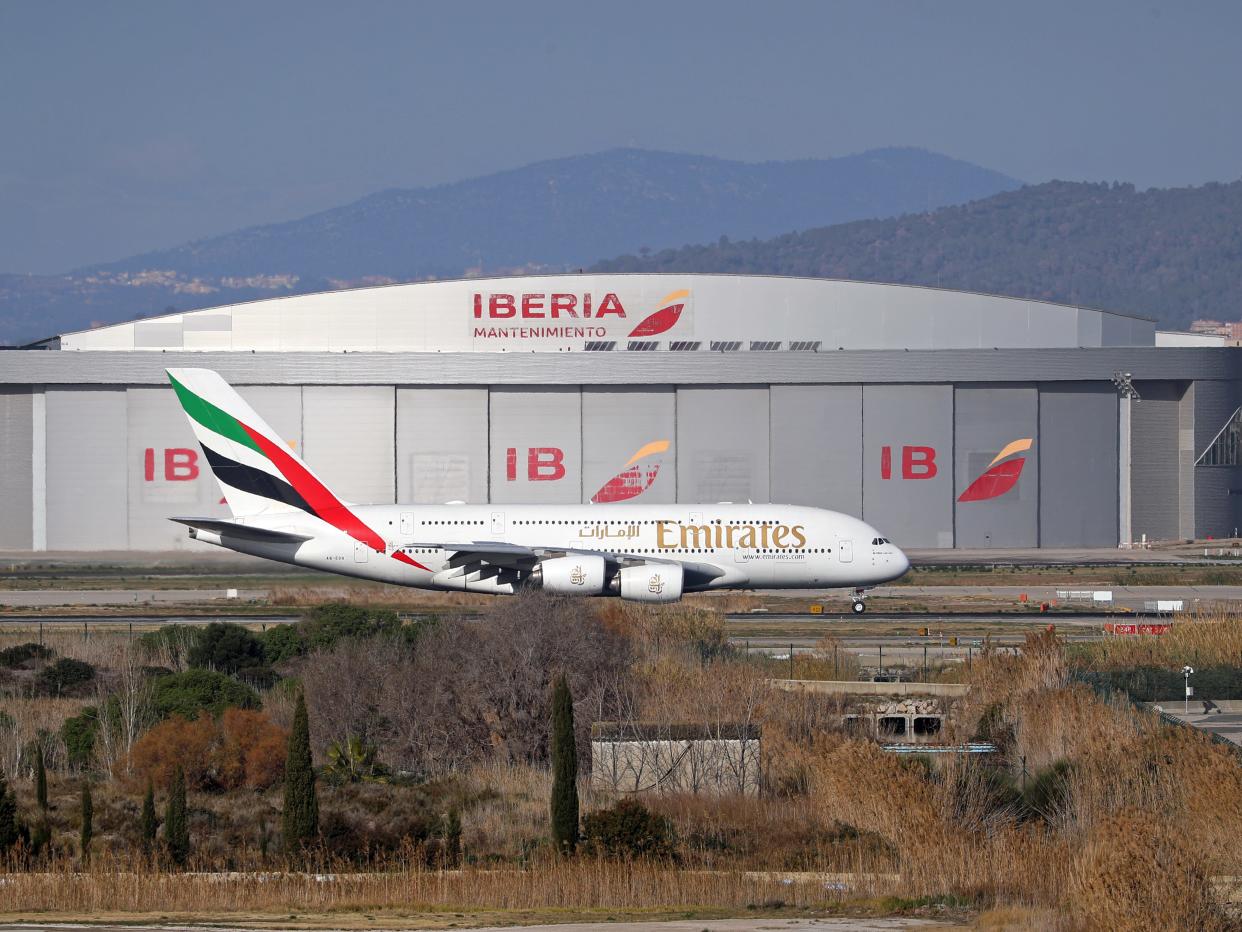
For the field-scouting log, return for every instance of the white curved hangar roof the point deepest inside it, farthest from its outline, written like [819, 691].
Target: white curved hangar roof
[636, 313]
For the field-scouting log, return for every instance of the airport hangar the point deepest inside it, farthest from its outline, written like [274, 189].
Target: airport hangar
[884, 401]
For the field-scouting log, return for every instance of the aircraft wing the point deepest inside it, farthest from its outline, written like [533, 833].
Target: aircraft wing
[522, 558]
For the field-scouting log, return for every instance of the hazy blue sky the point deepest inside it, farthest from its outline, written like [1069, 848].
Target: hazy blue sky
[129, 126]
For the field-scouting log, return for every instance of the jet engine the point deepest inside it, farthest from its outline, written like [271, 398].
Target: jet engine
[651, 582]
[574, 574]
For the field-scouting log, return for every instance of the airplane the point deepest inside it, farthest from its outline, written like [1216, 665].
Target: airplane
[644, 553]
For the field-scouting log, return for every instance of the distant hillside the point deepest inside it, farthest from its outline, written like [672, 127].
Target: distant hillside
[552, 215]
[1175, 254]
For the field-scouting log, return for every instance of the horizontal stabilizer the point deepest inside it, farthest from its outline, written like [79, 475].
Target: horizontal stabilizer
[243, 531]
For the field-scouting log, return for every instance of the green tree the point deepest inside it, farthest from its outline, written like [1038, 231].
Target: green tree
[147, 826]
[40, 778]
[176, 821]
[63, 675]
[79, 733]
[628, 830]
[227, 648]
[10, 832]
[88, 821]
[564, 769]
[300, 815]
[195, 690]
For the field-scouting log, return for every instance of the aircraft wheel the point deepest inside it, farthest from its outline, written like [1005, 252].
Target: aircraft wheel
[859, 607]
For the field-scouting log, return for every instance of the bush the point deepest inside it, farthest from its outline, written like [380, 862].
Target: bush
[171, 642]
[78, 734]
[325, 625]
[225, 647]
[21, 654]
[242, 748]
[186, 694]
[281, 643]
[62, 676]
[1154, 684]
[628, 829]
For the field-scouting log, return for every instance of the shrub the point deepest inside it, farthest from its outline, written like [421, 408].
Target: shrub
[281, 643]
[628, 829]
[242, 748]
[193, 691]
[79, 733]
[325, 625]
[21, 654]
[225, 647]
[64, 675]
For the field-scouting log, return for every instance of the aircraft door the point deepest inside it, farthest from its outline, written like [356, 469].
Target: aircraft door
[362, 552]
[407, 524]
[845, 551]
[498, 523]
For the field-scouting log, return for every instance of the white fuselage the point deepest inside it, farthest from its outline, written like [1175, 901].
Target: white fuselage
[744, 546]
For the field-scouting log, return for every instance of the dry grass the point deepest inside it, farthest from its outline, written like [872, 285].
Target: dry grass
[1212, 637]
[376, 595]
[578, 885]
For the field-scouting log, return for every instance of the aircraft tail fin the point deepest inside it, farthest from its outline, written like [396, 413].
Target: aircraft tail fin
[258, 473]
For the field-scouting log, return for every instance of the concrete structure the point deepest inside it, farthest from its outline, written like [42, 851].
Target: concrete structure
[888, 402]
[628, 757]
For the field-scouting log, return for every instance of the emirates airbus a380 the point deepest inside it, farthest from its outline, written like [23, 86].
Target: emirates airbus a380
[646, 553]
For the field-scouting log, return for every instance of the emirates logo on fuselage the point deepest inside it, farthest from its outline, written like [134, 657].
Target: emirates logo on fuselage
[577, 576]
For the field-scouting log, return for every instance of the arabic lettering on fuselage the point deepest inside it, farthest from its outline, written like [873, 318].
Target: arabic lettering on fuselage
[673, 535]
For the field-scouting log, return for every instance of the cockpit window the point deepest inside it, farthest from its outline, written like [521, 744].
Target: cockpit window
[876, 541]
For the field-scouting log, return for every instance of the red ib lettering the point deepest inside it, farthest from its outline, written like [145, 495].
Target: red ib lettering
[511, 464]
[918, 462]
[148, 464]
[886, 462]
[545, 464]
[180, 465]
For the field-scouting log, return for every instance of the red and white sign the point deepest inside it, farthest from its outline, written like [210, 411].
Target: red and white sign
[558, 316]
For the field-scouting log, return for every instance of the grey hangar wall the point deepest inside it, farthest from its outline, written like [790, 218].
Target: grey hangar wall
[97, 455]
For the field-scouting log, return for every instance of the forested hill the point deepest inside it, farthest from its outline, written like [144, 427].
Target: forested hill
[1173, 254]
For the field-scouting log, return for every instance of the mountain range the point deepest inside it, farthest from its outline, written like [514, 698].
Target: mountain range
[1173, 254]
[549, 216]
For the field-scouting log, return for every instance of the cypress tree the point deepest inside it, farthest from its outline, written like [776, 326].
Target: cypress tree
[176, 822]
[564, 770]
[9, 829]
[300, 815]
[40, 779]
[148, 821]
[88, 821]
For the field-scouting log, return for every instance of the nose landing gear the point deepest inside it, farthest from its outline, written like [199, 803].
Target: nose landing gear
[859, 602]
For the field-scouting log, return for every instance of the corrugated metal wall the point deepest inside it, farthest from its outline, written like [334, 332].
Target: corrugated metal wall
[87, 492]
[1215, 508]
[16, 469]
[442, 446]
[348, 435]
[817, 446]
[908, 463]
[536, 451]
[1155, 472]
[722, 445]
[987, 419]
[1078, 465]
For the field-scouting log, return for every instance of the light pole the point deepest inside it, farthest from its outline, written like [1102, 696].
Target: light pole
[1186, 672]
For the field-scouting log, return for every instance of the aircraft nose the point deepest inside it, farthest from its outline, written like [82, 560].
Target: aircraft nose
[903, 563]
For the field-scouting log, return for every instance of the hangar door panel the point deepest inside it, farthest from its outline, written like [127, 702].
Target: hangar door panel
[1155, 485]
[1077, 465]
[628, 450]
[722, 445]
[349, 438]
[86, 460]
[167, 472]
[16, 462]
[536, 453]
[441, 445]
[908, 463]
[997, 497]
[817, 446]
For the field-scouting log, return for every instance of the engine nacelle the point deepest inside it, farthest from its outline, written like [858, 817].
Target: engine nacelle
[651, 582]
[575, 574]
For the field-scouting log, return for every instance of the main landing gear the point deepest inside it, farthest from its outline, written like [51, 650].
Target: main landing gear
[859, 599]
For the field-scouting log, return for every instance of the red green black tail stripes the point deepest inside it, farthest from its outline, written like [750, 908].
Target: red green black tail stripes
[296, 485]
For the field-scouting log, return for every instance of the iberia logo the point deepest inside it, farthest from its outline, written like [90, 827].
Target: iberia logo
[665, 318]
[1001, 475]
[635, 477]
